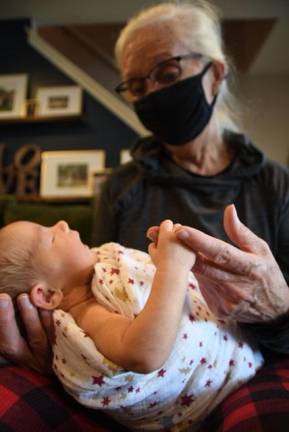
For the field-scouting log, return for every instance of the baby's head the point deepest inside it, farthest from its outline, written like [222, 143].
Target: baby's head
[18, 266]
[44, 261]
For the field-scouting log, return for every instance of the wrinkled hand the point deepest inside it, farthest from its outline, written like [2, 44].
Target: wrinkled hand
[243, 283]
[35, 353]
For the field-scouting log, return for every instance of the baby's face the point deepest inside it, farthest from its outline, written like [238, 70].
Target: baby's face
[58, 251]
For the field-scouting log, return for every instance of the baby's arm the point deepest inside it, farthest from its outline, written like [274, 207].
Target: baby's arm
[144, 343]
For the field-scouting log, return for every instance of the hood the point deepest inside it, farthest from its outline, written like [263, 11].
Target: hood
[153, 158]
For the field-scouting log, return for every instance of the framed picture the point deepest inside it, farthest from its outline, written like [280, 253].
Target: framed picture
[13, 90]
[125, 156]
[58, 101]
[70, 173]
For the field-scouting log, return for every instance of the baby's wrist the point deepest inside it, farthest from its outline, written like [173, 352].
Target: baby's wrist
[171, 266]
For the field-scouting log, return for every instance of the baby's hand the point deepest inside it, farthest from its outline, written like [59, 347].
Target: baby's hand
[153, 233]
[167, 250]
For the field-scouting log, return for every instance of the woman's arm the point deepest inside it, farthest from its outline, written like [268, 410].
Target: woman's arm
[144, 343]
[38, 328]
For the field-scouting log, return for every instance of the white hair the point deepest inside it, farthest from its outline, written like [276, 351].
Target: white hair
[17, 268]
[198, 26]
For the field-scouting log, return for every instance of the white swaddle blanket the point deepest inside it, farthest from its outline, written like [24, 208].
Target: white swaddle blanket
[209, 359]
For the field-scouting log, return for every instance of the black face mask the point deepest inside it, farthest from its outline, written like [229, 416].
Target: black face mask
[179, 113]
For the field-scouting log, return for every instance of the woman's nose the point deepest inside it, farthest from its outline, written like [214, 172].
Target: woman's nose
[152, 86]
[62, 225]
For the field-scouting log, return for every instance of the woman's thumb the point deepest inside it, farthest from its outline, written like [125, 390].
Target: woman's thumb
[241, 235]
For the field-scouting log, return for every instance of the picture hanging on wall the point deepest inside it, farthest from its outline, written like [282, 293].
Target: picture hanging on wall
[70, 173]
[13, 89]
[58, 101]
[125, 156]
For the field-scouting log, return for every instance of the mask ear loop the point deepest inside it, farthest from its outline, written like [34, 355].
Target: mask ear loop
[214, 100]
[206, 68]
[224, 78]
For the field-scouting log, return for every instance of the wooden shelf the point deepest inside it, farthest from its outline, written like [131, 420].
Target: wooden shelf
[36, 119]
[64, 199]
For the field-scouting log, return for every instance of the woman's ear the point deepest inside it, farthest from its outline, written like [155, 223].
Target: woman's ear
[219, 74]
[44, 297]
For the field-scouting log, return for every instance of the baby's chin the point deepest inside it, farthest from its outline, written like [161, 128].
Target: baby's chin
[93, 256]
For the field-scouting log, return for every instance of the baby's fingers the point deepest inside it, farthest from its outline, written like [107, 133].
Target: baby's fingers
[153, 233]
[152, 250]
[166, 226]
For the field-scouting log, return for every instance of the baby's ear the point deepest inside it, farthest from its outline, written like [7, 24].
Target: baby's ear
[45, 297]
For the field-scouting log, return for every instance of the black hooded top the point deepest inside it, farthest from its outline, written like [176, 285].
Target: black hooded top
[152, 188]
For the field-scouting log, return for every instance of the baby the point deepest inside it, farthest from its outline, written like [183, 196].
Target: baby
[133, 334]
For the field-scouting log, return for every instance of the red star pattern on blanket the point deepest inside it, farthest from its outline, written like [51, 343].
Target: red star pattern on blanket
[161, 373]
[105, 401]
[186, 400]
[114, 271]
[98, 380]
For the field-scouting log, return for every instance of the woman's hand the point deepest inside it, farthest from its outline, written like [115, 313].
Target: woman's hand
[244, 283]
[35, 353]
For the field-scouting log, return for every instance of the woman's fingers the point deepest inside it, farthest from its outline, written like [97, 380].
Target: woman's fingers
[241, 259]
[47, 324]
[12, 345]
[241, 235]
[36, 332]
[33, 326]
[217, 251]
[222, 275]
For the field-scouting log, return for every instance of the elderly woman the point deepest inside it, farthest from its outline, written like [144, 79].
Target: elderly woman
[175, 74]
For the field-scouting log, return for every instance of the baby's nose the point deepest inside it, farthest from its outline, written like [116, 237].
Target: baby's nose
[63, 225]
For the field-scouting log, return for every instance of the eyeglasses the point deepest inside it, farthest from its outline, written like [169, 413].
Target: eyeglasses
[164, 73]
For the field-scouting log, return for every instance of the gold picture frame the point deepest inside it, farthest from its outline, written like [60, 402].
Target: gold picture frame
[58, 101]
[70, 173]
[13, 90]
[124, 156]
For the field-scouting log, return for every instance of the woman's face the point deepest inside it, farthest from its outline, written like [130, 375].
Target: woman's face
[150, 46]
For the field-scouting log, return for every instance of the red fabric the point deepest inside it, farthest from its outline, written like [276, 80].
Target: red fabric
[7, 399]
[262, 405]
[30, 402]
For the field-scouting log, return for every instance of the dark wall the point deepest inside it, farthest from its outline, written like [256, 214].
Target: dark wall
[97, 127]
